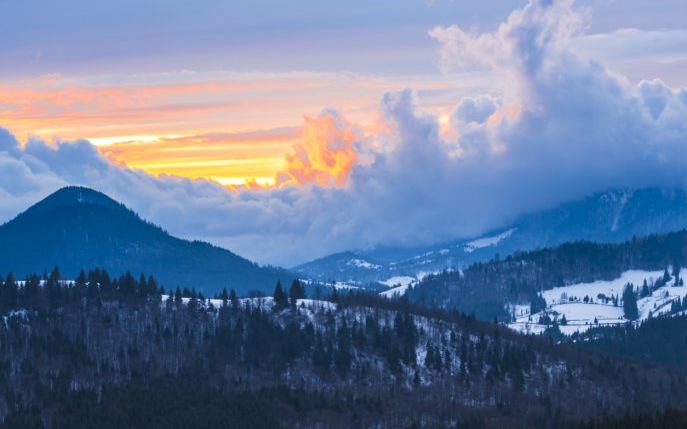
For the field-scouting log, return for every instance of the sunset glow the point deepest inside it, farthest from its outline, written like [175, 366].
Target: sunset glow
[231, 130]
[320, 128]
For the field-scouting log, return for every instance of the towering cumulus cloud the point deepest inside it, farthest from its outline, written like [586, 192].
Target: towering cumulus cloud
[326, 154]
[558, 128]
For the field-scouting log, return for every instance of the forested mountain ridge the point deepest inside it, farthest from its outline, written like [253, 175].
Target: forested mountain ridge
[488, 288]
[77, 228]
[115, 353]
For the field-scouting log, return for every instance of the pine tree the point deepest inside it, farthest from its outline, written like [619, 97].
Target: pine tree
[280, 297]
[80, 282]
[538, 304]
[152, 287]
[296, 291]
[193, 302]
[142, 285]
[630, 303]
[645, 289]
[233, 298]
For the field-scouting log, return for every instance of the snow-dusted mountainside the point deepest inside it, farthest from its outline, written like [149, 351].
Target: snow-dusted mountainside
[578, 307]
[608, 217]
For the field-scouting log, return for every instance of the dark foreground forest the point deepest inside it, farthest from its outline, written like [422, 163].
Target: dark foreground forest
[117, 353]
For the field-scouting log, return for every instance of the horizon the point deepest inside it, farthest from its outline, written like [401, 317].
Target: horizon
[403, 125]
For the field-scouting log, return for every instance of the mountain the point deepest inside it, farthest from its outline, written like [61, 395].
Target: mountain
[77, 228]
[607, 217]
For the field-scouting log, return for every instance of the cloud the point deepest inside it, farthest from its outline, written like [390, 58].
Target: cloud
[560, 128]
[326, 154]
[476, 110]
[8, 143]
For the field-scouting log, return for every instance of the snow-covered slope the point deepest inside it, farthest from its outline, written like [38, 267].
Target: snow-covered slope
[481, 243]
[399, 285]
[586, 305]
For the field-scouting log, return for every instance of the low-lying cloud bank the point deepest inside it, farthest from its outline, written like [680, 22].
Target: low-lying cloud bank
[560, 128]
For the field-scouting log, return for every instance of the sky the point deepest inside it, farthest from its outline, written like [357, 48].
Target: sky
[287, 131]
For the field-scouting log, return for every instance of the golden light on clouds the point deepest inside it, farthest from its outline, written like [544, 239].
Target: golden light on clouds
[234, 128]
[326, 153]
[229, 159]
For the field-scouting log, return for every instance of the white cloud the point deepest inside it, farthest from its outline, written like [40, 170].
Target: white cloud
[564, 127]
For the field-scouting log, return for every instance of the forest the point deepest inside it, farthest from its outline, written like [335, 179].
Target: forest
[122, 352]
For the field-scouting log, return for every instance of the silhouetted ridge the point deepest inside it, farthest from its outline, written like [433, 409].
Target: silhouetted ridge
[77, 228]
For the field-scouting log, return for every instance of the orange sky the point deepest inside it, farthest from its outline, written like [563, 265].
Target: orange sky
[226, 127]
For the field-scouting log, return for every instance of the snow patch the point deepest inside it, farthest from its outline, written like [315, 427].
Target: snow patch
[399, 281]
[399, 285]
[608, 288]
[364, 264]
[586, 305]
[487, 241]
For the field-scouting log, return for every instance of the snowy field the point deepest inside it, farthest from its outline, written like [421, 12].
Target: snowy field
[399, 286]
[599, 308]
[487, 241]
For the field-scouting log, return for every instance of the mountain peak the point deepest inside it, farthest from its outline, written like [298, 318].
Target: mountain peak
[73, 196]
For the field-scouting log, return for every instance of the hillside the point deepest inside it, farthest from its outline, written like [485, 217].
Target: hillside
[491, 289]
[114, 357]
[77, 228]
[579, 307]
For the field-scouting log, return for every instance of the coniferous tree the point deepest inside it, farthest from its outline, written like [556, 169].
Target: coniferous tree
[280, 297]
[142, 286]
[630, 303]
[233, 298]
[537, 304]
[296, 291]
[9, 292]
[31, 288]
[152, 287]
[645, 289]
[80, 282]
